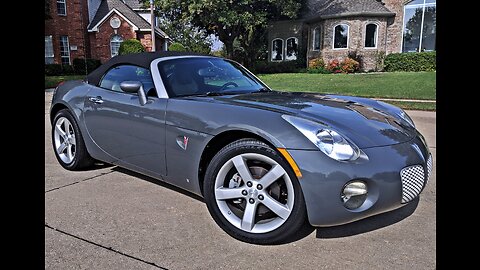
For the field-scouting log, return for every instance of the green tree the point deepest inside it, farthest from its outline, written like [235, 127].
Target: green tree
[131, 46]
[228, 19]
[177, 47]
[193, 38]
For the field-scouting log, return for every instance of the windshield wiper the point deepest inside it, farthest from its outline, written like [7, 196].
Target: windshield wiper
[262, 90]
[212, 94]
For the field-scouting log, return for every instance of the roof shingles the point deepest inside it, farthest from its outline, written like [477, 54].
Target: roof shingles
[338, 8]
[107, 5]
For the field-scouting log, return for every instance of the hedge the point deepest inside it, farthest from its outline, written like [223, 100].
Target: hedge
[78, 67]
[413, 61]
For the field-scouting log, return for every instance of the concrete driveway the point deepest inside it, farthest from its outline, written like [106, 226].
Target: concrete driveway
[109, 218]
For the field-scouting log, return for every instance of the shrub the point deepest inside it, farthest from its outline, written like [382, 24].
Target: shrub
[79, 65]
[357, 57]
[67, 70]
[53, 69]
[315, 63]
[263, 67]
[348, 65]
[131, 46]
[412, 61]
[177, 47]
[379, 61]
[334, 66]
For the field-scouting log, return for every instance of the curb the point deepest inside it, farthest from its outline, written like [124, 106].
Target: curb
[406, 100]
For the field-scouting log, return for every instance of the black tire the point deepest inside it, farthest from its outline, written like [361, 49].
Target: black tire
[82, 159]
[293, 224]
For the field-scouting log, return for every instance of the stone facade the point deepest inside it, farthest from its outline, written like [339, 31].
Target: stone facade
[388, 40]
[395, 25]
[356, 40]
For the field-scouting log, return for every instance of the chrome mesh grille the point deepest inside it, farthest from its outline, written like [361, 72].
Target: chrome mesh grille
[429, 166]
[413, 178]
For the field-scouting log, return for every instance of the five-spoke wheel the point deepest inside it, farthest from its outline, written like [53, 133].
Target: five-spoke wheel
[253, 194]
[68, 143]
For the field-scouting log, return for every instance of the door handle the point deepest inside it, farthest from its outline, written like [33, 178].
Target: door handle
[97, 100]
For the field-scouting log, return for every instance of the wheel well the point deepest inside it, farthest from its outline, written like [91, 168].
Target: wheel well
[55, 109]
[217, 143]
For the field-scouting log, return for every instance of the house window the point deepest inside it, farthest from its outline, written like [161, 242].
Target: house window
[371, 35]
[48, 50]
[340, 36]
[115, 44]
[61, 7]
[316, 39]
[291, 49]
[419, 26]
[277, 50]
[65, 50]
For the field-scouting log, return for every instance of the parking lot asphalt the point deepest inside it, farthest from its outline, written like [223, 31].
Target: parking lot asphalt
[110, 218]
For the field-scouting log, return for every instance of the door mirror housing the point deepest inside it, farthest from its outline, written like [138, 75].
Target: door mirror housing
[135, 87]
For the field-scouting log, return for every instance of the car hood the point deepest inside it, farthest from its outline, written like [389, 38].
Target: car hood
[366, 122]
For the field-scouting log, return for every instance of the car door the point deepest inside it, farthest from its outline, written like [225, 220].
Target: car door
[132, 134]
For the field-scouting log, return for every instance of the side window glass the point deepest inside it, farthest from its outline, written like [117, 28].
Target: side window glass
[112, 79]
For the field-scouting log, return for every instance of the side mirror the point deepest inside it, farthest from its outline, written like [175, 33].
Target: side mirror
[135, 87]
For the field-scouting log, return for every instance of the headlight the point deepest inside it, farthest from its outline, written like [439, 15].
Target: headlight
[326, 139]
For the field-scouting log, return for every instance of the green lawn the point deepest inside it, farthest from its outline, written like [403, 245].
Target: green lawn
[420, 106]
[53, 81]
[405, 85]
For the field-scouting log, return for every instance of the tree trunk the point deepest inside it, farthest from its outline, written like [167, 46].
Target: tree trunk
[229, 48]
[227, 38]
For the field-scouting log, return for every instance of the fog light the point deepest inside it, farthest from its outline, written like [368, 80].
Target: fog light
[354, 194]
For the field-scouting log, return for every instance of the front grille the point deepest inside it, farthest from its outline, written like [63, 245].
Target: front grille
[429, 166]
[413, 178]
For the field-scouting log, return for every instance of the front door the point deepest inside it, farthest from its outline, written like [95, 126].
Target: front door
[121, 127]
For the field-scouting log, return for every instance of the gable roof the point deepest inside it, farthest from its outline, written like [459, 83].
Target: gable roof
[134, 4]
[326, 9]
[107, 7]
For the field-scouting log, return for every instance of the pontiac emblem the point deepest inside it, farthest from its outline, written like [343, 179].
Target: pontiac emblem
[182, 141]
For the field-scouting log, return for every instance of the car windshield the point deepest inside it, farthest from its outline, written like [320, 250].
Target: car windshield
[199, 76]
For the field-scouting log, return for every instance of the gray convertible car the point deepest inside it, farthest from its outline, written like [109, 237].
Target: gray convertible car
[266, 162]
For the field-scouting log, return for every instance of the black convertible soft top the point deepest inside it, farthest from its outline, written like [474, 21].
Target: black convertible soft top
[138, 59]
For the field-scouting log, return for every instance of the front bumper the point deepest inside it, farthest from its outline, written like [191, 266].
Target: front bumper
[324, 178]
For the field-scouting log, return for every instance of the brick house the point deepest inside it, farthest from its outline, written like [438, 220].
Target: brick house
[96, 28]
[331, 29]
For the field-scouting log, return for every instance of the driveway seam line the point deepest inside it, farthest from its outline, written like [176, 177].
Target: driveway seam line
[104, 247]
[71, 184]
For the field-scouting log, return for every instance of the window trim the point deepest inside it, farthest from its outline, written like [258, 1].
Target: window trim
[111, 38]
[123, 92]
[423, 6]
[313, 39]
[286, 41]
[65, 3]
[376, 36]
[348, 37]
[53, 51]
[271, 50]
[68, 49]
